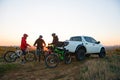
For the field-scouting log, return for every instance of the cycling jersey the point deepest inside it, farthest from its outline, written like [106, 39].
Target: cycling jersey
[23, 43]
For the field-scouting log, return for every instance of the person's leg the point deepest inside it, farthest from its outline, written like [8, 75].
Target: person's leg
[37, 54]
[23, 56]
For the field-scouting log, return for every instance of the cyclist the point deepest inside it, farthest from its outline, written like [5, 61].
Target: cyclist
[40, 45]
[23, 47]
[55, 39]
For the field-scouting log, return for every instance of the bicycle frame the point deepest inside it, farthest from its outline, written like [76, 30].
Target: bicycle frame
[58, 51]
[18, 52]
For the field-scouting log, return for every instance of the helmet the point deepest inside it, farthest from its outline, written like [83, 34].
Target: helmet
[25, 35]
[40, 36]
[53, 34]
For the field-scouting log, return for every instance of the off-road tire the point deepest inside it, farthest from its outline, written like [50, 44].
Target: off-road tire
[52, 60]
[102, 53]
[80, 54]
[10, 56]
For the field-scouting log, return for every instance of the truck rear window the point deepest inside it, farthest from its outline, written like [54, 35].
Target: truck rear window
[75, 39]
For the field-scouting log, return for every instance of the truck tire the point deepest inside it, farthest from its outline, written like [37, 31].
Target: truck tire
[102, 53]
[80, 54]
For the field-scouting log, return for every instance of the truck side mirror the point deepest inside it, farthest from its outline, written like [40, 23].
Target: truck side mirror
[98, 42]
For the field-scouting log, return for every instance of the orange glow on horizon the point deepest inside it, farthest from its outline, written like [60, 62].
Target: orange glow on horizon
[105, 43]
[16, 42]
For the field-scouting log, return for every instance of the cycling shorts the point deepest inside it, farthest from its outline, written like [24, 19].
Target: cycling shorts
[23, 52]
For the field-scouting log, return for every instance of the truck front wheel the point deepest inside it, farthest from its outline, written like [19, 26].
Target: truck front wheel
[102, 53]
[80, 54]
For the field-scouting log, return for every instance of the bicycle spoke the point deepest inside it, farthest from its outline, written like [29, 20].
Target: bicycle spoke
[51, 60]
[30, 56]
[10, 56]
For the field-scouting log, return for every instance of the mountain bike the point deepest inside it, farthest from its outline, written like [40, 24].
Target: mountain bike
[12, 56]
[57, 54]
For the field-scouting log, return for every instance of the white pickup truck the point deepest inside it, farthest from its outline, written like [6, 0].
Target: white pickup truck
[85, 46]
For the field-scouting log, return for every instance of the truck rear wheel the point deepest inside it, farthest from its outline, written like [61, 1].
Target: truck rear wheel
[80, 54]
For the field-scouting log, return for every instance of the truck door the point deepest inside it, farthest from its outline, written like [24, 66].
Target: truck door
[91, 45]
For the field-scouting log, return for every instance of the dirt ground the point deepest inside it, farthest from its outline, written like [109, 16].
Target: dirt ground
[38, 71]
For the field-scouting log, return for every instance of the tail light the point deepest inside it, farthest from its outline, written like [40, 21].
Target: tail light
[66, 43]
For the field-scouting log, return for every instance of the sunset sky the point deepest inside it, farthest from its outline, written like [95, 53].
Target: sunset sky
[97, 18]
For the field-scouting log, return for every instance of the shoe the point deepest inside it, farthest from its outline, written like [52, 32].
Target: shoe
[23, 62]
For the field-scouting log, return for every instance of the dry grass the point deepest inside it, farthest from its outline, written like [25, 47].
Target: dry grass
[92, 68]
[4, 49]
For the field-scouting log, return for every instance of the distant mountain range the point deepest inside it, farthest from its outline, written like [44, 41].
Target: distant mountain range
[106, 47]
[112, 47]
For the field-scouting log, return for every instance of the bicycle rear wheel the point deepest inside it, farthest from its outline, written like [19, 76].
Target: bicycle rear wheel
[51, 60]
[30, 56]
[10, 56]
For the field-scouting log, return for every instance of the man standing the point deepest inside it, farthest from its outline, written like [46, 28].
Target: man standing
[40, 46]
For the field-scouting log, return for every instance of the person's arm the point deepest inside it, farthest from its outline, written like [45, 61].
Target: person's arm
[57, 39]
[28, 45]
[35, 43]
[44, 43]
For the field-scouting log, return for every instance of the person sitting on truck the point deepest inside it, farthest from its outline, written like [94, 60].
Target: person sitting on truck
[55, 39]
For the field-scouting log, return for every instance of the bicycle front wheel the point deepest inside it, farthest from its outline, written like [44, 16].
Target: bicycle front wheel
[51, 60]
[10, 56]
[30, 56]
